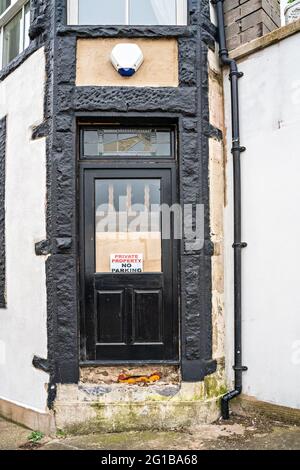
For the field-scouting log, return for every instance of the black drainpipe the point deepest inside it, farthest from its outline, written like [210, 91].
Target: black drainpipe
[238, 245]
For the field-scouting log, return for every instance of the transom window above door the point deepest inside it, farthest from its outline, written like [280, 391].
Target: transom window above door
[127, 12]
[127, 142]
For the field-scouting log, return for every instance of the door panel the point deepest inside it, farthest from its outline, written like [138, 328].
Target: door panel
[130, 278]
[110, 316]
[147, 316]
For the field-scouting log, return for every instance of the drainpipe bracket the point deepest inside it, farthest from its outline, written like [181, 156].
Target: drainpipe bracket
[240, 245]
[239, 148]
[240, 368]
[236, 73]
[224, 52]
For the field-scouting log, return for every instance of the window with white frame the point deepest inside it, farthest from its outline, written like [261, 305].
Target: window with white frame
[4, 4]
[127, 12]
[14, 28]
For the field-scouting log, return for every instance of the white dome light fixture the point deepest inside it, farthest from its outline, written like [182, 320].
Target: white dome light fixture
[127, 59]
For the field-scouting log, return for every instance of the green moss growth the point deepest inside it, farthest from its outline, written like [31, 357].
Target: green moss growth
[213, 387]
[158, 397]
[158, 412]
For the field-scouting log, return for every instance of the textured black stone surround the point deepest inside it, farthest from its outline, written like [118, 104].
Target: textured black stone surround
[2, 212]
[64, 102]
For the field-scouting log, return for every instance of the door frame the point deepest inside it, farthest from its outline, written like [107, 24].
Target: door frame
[122, 164]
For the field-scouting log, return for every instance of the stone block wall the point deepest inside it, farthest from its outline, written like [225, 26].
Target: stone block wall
[250, 19]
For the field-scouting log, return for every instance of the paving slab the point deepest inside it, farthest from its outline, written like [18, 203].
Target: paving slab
[12, 436]
[239, 433]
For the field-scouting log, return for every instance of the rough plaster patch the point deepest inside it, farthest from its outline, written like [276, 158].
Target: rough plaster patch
[211, 387]
[109, 375]
[216, 98]
[216, 101]
[218, 325]
[218, 272]
[216, 176]
[160, 67]
[109, 394]
[214, 61]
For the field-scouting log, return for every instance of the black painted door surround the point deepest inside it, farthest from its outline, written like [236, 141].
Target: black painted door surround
[185, 106]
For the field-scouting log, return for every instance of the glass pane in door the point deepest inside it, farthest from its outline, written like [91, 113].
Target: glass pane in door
[128, 226]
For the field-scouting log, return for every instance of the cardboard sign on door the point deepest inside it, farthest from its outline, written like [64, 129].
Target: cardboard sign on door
[127, 263]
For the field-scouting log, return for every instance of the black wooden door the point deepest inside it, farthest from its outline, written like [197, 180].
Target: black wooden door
[130, 270]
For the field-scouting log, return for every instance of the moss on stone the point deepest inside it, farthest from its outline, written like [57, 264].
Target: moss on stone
[191, 405]
[150, 416]
[214, 387]
[157, 398]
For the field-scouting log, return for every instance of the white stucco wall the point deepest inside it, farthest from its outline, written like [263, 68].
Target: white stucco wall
[270, 123]
[23, 324]
[283, 4]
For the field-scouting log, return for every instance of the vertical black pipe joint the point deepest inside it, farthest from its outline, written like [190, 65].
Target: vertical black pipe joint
[238, 245]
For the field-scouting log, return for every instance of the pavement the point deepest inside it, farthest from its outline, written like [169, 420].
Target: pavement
[239, 433]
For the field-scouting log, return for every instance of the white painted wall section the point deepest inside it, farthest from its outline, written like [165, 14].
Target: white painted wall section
[23, 324]
[270, 123]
